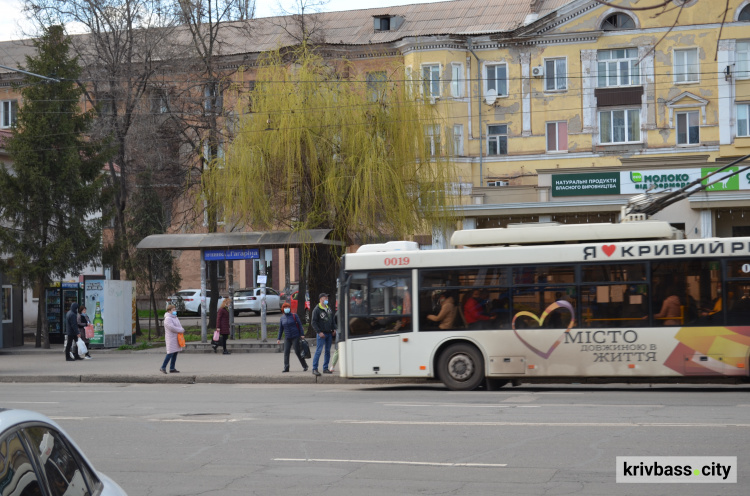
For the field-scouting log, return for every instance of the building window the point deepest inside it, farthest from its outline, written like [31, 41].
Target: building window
[618, 21]
[618, 67]
[555, 74]
[376, 85]
[458, 140]
[686, 66]
[557, 136]
[620, 126]
[743, 60]
[431, 80]
[743, 120]
[212, 96]
[457, 80]
[497, 140]
[497, 79]
[688, 131]
[159, 101]
[8, 113]
[744, 14]
[432, 139]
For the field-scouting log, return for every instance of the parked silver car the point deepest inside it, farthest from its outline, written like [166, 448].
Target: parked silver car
[248, 300]
[189, 301]
[38, 458]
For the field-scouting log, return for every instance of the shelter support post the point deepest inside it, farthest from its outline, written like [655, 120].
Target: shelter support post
[204, 316]
[230, 289]
[262, 270]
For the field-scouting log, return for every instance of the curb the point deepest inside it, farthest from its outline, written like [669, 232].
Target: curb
[204, 379]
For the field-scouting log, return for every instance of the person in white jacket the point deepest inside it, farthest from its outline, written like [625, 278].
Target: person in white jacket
[172, 328]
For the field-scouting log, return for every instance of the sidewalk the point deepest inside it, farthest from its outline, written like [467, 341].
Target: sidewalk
[251, 362]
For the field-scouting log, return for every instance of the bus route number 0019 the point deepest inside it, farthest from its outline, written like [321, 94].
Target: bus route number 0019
[396, 261]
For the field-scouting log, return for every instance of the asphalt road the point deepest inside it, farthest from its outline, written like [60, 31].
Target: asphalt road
[170, 439]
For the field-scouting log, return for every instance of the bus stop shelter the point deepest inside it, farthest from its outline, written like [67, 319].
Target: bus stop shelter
[236, 246]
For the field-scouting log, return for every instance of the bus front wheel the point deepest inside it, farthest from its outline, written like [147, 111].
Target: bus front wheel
[461, 367]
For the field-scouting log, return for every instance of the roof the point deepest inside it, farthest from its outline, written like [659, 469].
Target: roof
[355, 27]
[267, 239]
[544, 233]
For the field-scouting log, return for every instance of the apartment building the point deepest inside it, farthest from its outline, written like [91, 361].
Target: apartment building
[553, 110]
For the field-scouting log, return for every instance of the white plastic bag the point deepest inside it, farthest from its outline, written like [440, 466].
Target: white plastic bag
[82, 350]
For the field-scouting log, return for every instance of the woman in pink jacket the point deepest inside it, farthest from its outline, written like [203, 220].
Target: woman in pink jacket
[172, 328]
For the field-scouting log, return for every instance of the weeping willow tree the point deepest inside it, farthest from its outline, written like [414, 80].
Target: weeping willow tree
[359, 157]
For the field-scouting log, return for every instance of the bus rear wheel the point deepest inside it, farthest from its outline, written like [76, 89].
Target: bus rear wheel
[461, 367]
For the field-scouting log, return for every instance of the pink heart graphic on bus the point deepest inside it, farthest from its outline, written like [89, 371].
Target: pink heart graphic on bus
[540, 320]
[608, 249]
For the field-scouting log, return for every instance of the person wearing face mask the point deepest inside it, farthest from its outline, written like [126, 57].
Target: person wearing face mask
[291, 328]
[83, 321]
[325, 327]
[222, 325]
[172, 328]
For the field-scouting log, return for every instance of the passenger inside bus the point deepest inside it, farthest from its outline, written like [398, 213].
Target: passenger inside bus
[446, 317]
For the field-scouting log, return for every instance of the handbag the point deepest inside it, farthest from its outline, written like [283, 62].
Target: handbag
[181, 340]
[217, 335]
[305, 348]
[82, 350]
[89, 331]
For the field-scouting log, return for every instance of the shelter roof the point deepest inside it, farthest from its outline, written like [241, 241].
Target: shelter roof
[266, 239]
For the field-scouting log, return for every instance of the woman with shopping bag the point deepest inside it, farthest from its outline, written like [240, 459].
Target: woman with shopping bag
[83, 322]
[222, 327]
[172, 332]
[291, 328]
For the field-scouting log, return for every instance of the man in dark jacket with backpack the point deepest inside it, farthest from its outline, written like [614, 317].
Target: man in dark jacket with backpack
[71, 330]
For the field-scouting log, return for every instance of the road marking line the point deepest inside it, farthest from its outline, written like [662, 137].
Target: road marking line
[391, 462]
[511, 405]
[34, 402]
[538, 424]
[201, 421]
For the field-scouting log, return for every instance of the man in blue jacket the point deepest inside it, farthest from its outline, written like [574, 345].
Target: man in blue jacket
[71, 329]
[324, 326]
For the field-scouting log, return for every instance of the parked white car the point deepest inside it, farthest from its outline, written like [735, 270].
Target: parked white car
[189, 301]
[248, 300]
[38, 457]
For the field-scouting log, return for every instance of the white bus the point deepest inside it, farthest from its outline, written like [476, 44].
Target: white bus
[548, 303]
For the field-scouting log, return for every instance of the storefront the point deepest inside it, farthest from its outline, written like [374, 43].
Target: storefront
[581, 195]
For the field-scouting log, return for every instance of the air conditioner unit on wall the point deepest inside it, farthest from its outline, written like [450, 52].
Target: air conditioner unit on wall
[537, 71]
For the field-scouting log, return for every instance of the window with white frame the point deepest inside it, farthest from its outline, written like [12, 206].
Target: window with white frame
[686, 68]
[457, 80]
[496, 78]
[557, 136]
[431, 80]
[497, 139]
[743, 120]
[618, 67]
[432, 139]
[8, 113]
[620, 126]
[688, 130]
[555, 74]
[409, 77]
[458, 140]
[743, 60]
[376, 85]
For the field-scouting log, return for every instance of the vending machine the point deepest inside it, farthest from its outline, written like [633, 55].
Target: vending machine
[57, 301]
[112, 304]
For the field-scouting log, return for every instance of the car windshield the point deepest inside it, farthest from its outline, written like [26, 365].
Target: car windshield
[243, 293]
[185, 293]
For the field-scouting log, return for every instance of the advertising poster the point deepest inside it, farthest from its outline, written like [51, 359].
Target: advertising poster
[95, 305]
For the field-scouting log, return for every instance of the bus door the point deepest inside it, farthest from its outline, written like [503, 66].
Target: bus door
[379, 311]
